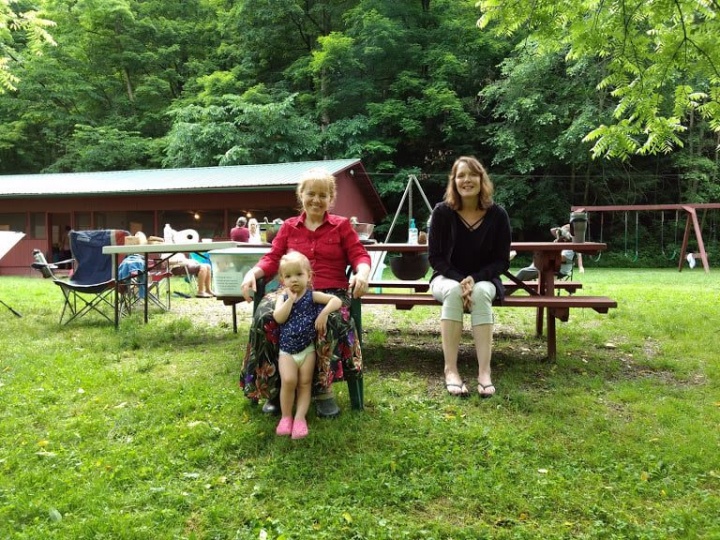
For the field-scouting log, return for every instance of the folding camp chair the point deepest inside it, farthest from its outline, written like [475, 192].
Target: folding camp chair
[182, 271]
[131, 272]
[179, 267]
[91, 286]
[159, 287]
[45, 268]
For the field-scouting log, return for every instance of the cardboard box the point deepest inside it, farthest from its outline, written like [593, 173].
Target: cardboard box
[229, 267]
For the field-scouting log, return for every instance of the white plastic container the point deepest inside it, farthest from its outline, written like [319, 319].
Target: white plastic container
[229, 267]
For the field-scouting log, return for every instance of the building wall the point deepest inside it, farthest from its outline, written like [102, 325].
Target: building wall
[351, 201]
[216, 213]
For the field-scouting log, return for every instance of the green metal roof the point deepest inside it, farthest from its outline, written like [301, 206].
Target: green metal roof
[232, 178]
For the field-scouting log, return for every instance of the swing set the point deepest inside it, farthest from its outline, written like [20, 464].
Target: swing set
[691, 223]
[662, 235]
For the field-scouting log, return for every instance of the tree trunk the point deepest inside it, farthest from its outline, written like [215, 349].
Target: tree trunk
[128, 85]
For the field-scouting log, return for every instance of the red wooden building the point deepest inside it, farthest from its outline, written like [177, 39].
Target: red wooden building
[208, 200]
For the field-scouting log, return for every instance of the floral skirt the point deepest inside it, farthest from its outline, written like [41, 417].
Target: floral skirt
[337, 352]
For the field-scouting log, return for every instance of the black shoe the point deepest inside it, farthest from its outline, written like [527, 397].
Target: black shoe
[272, 406]
[327, 408]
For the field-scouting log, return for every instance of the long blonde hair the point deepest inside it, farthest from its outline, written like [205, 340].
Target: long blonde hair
[452, 196]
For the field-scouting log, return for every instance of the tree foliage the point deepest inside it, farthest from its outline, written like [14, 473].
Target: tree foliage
[661, 59]
[20, 25]
[241, 130]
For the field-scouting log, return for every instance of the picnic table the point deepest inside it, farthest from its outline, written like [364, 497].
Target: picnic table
[539, 295]
[159, 253]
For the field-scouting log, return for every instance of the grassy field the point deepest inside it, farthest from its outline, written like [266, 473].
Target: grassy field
[142, 433]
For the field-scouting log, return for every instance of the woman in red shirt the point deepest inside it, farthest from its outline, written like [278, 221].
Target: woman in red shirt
[331, 244]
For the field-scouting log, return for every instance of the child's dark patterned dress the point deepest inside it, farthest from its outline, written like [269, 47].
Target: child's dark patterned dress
[299, 330]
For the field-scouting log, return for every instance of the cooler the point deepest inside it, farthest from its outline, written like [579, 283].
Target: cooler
[229, 266]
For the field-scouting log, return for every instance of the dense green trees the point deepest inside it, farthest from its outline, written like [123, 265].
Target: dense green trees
[22, 31]
[661, 61]
[567, 102]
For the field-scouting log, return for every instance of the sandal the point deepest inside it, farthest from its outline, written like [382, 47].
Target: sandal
[463, 391]
[482, 390]
[285, 427]
[299, 429]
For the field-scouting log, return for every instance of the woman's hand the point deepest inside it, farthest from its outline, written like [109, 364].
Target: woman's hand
[249, 283]
[358, 284]
[466, 287]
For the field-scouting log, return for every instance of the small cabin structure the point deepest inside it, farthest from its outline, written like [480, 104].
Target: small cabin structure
[208, 200]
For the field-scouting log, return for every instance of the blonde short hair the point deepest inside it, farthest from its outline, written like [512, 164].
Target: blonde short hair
[295, 258]
[317, 174]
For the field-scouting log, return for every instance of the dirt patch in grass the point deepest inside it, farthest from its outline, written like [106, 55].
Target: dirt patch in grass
[418, 349]
[210, 311]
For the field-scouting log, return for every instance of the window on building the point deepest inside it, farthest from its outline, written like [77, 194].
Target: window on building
[16, 222]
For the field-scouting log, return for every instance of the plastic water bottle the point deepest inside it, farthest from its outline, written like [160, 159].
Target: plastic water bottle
[38, 257]
[168, 234]
[412, 233]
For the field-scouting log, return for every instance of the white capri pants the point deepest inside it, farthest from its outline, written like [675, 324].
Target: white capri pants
[448, 292]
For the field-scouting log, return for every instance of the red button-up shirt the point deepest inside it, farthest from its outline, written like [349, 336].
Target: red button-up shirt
[330, 248]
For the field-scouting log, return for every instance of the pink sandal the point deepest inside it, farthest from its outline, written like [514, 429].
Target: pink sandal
[299, 429]
[285, 426]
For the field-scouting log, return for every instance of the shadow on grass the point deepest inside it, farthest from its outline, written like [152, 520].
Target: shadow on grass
[516, 357]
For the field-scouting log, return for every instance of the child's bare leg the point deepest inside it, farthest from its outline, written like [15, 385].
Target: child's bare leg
[289, 378]
[304, 386]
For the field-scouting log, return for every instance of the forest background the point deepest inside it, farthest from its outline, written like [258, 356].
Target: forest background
[574, 103]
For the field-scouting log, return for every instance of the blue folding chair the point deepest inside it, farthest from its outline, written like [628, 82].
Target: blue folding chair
[91, 286]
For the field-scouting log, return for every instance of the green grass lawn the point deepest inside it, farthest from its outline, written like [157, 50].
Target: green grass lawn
[142, 433]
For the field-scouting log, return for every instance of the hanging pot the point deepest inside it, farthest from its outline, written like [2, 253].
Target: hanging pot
[409, 265]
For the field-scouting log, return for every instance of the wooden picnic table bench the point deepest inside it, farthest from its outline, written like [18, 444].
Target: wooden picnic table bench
[540, 295]
[558, 307]
[601, 304]
[406, 301]
[510, 286]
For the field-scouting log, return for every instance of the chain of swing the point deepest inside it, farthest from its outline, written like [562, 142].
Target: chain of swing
[637, 237]
[634, 256]
[674, 254]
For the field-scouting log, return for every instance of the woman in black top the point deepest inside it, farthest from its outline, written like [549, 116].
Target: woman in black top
[469, 248]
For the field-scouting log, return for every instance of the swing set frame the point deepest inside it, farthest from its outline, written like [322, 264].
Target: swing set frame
[691, 222]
